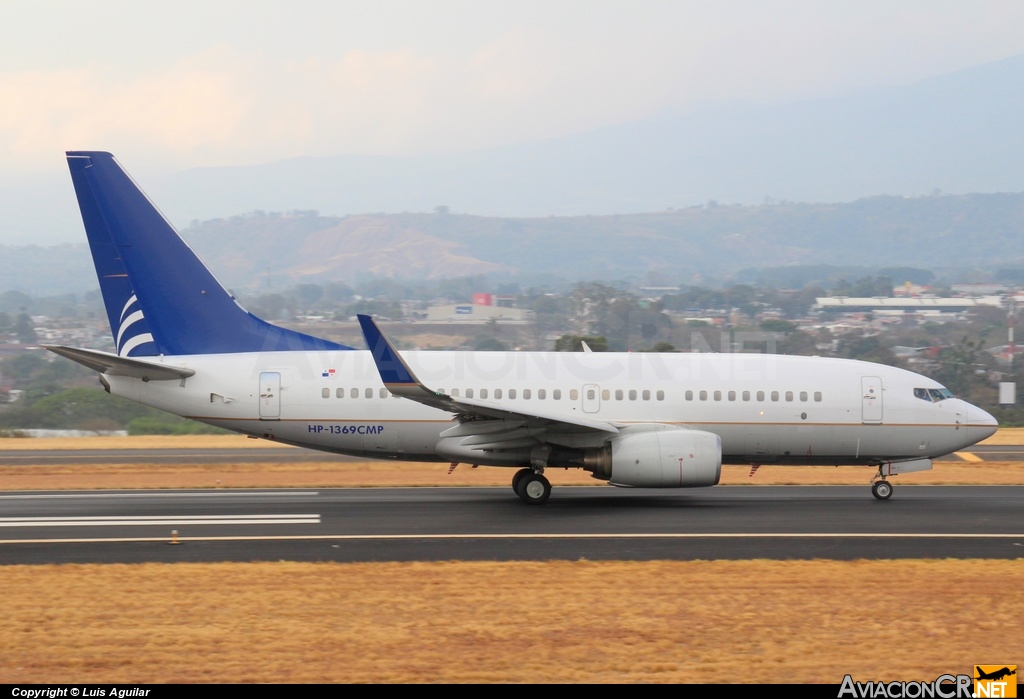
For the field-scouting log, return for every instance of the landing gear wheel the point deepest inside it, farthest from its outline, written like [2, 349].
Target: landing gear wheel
[534, 489]
[882, 490]
[518, 479]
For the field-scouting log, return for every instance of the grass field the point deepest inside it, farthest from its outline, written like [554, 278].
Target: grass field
[703, 621]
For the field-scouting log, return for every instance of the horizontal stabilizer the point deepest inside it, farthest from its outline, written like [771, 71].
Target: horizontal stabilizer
[112, 365]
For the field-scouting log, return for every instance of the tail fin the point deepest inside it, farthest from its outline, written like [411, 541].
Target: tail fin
[160, 298]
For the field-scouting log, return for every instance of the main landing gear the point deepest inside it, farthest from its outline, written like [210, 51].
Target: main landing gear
[531, 486]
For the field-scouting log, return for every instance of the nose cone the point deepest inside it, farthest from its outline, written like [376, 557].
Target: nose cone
[980, 425]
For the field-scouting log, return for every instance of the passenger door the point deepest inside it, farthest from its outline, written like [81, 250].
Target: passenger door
[871, 400]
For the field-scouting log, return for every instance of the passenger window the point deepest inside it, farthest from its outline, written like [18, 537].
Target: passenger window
[383, 393]
[557, 394]
[340, 393]
[326, 393]
[689, 395]
[368, 393]
[618, 394]
[497, 394]
[732, 395]
[512, 393]
[541, 394]
[483, 392]
[574, 394]
[469, 393]
[817, 396]
[760, 396]
[703, 395]
[354, 393]
[632, 394]
[775, 396]
[455, 393]
[646, 395]
[718, 395]
[803, 396]
[526, 394]
[660, 395]
[789, 396]
[606, 394]
[746, 395]
[591, 394]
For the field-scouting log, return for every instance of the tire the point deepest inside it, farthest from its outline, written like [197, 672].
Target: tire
[534, 489]
[518, 479]
[882, 490]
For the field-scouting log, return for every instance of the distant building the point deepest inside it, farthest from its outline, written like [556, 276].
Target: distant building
[907, 305]
[485, 307]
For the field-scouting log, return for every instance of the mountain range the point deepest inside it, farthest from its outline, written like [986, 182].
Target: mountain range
[262, 251]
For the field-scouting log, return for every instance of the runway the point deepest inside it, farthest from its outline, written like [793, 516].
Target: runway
[429, 524]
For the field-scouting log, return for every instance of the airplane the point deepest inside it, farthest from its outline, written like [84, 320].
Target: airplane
[646, 420]
[995, 675]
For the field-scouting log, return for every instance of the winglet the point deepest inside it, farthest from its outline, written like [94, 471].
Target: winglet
[394, 372]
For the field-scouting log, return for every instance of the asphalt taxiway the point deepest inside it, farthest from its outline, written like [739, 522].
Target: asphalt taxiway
[425, 524]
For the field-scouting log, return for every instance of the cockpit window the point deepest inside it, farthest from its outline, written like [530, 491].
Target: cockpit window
[932, 395]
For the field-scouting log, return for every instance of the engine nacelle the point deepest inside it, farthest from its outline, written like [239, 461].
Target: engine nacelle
[659, 456]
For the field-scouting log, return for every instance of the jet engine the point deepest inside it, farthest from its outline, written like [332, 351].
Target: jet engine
[658, 456]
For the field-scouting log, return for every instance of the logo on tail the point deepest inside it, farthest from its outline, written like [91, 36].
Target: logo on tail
[133, 331]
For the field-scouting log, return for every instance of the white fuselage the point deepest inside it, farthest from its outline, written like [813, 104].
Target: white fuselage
[765, 408]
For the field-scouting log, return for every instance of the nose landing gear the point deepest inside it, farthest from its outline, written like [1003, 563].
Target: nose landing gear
[881, 489]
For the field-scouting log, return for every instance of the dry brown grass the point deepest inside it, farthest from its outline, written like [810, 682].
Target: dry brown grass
[1006, 435]
[155, 441]
[705, 621]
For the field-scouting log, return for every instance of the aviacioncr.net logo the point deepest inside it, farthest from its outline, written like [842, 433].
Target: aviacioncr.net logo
[942, 687]
[995, 681]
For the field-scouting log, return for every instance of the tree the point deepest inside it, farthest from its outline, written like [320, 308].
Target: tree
[959, 365]
[776, 325]
[573, 343]
[24, 330]
[488, 343]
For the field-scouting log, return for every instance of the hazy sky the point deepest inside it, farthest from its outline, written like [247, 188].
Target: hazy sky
[183, 84]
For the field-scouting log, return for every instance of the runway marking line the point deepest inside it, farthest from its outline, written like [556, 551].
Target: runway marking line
[166, 494]
[413, 537]
[968, 456]
[150, 520]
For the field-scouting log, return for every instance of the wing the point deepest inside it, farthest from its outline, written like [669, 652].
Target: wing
[483, 425]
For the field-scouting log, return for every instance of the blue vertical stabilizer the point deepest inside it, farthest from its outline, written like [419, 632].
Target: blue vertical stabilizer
[159, 296]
